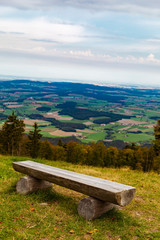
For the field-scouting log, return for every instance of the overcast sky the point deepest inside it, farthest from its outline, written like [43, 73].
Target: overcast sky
[105, 41]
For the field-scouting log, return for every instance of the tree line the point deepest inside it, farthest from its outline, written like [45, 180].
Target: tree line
[15, 142]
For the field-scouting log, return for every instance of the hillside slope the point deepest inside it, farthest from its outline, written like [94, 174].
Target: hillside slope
[53, 214]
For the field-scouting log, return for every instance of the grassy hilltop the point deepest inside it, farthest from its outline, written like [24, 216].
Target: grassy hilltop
[53, 214]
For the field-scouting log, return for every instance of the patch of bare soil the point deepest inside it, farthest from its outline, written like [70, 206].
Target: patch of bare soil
[57, 116]
[85, 131]
[134, 130]
[15, 106]
[49, 103]
[149, 126]
[88, 123]
[61, 133]
[130, 122]
[32, 121]
[10, 103]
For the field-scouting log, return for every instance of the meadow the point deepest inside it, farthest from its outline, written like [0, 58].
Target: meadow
[52, 214]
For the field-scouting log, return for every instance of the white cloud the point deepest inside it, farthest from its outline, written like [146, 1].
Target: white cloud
[82, 53]
[136, 6]
[149, 60]
[86, 58]
[39, 62]
[83, 37]
[41, 29]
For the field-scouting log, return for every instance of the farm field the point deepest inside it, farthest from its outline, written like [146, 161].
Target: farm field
[88, 112]
[52, 214]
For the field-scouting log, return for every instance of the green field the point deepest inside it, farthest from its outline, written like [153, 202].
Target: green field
[94, 137]
[136, 138]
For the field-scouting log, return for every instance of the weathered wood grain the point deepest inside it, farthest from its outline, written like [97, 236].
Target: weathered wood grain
[29, 184]
[91, 208]
[104, 190]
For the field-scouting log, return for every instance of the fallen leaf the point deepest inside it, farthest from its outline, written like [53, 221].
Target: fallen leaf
[16, 219]
[90, 232]
[32, 209]
[95, 230]
[19, 217]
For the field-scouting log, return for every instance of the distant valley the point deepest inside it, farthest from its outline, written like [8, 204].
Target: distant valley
[87, 112]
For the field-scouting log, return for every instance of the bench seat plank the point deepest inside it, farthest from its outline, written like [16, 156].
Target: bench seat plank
[104, 190]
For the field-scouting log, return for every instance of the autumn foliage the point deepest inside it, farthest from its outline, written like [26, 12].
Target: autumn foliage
[94, 154]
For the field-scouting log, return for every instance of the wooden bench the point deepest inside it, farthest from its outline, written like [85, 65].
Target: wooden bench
[103, 195]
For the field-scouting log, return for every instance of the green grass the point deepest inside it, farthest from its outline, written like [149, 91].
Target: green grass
[52, 214]
[94, 137]
[152, 114]
[130, 137]
[73, 120]
[47, 134]
[64, 115]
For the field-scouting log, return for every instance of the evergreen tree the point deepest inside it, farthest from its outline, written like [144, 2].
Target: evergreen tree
[11, 134]
[34, 141]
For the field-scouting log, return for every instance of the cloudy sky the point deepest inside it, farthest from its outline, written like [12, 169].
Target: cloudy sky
[105, 41]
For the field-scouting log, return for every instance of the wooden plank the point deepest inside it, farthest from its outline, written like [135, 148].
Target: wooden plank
[104, 190]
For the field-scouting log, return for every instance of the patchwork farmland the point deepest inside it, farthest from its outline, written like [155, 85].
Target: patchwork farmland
[88, 112]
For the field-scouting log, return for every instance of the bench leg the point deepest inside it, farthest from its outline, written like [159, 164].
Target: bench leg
[28, 184]
[91, 208]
